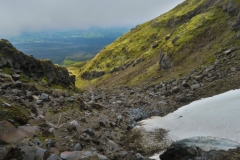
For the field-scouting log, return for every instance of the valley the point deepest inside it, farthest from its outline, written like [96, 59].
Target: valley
[70, 45]
[169, 86]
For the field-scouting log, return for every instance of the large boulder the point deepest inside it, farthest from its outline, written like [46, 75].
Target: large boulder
[9, 134]
[24, 152]
[200, 147]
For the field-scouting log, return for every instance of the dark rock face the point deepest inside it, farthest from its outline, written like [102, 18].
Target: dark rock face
[115, 69]
[138, 61]
[155, 44]
[175, 40]
[32, 67]
[164, 61]
[92, 75]
[184, 152]
[236, 23]
[179, 154]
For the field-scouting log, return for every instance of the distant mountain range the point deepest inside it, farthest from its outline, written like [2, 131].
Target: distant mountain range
[79, 45]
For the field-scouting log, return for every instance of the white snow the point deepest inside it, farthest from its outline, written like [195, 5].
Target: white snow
[217, 116]
[156, 156]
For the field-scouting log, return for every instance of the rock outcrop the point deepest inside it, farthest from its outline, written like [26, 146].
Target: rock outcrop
[164, 61]
[92, 75]
[33, 68]
[198, 148]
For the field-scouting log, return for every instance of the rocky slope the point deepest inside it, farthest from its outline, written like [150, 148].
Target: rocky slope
[40, 121]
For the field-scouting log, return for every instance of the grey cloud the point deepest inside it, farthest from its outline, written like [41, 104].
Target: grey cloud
[34, 15]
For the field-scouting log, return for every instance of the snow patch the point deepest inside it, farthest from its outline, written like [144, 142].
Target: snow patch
[213, 122]
[217, 116]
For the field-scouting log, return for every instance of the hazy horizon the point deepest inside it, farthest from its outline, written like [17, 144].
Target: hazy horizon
[33, 16]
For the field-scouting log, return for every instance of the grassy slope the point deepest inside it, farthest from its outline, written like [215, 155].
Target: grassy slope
[74, 68]
[201, 36]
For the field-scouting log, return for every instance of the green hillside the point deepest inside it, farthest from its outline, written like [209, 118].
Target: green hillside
[185, 38]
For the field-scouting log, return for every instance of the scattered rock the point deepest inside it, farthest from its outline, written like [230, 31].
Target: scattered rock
[70, 99]
[44, 97]
[229, 51]
[185, 84]
[155, 44]
[233, 69]
[119, 118]
[95, 105]
[124, 153]
[15, 77]
[50, 143]
[37, 142]
[167, 37]
[138, 156]
[89, 131]
[53, 157]
[111, 144]
[39, 102]
[175, 89]
[112, 124]
[195, 86]
[77, 147]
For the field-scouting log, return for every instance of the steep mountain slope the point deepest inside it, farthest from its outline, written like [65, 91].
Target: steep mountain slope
[173, 44]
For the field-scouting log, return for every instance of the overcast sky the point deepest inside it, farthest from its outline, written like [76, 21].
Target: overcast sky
[35, 15]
